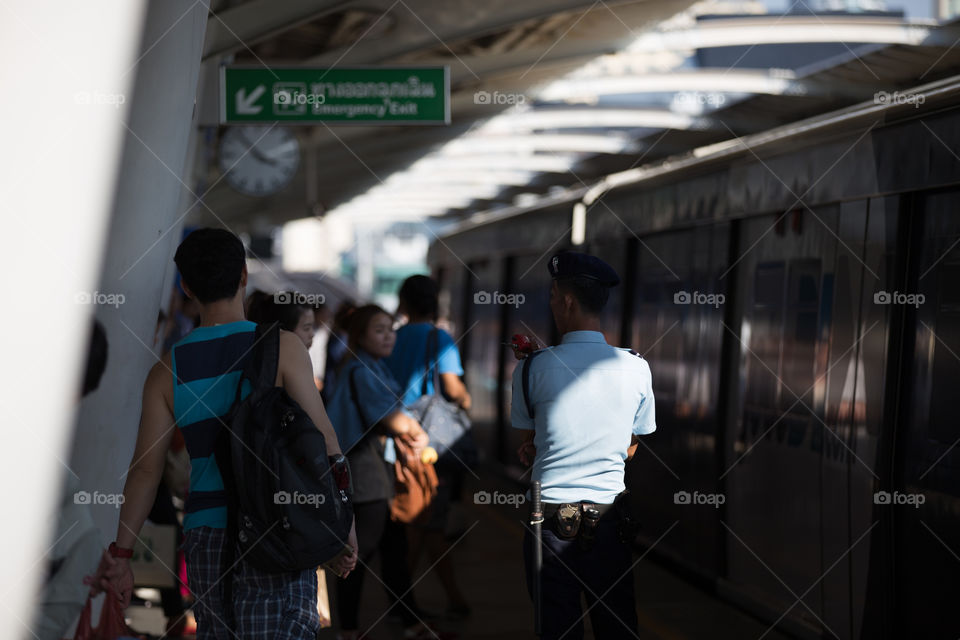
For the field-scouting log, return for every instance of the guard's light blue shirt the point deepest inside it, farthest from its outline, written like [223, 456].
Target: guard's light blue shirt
[408, 361]
[589, 398]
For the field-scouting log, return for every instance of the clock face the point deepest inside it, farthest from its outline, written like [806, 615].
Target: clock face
[259, 161]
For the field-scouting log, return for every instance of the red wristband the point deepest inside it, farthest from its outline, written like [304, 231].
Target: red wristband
[119, 552]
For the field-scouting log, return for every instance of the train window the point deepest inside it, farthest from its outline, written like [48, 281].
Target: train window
[765, 322]
[803, 300]
[768, 286]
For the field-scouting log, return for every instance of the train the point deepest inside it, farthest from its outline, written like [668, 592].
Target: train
[797, 296]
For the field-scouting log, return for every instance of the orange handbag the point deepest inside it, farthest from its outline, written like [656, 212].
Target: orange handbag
[415, 485]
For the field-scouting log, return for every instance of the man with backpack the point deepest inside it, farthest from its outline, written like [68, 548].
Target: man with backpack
[199, 388]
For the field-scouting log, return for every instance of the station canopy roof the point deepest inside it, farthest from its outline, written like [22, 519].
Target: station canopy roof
[555, 94]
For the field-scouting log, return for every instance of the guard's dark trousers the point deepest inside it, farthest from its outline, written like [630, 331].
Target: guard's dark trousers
[604, 575]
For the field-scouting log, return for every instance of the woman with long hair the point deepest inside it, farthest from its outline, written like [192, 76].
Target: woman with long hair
[366, 409]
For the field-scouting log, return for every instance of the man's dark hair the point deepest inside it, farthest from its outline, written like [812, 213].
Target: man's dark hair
[591, 294]
[419, 296]
[211, 262]
[96, 358]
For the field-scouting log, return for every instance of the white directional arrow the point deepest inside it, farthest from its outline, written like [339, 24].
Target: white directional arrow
[245, 103]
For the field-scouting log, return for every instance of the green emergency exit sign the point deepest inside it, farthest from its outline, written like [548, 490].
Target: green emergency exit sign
[347, 95]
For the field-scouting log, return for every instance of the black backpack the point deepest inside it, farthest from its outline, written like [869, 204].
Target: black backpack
[285, 511]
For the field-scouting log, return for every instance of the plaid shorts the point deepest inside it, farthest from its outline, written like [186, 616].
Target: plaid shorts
[265, 605]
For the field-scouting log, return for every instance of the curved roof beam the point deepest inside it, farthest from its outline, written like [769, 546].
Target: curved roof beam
[241, 26]
[412, 34]
[729, 32]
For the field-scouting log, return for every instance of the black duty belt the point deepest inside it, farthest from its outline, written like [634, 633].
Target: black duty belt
[550, 508]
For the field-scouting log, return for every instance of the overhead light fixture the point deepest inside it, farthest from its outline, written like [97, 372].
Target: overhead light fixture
[537, 119]
[433, 191]
[439, 175]
[773, 29]
[556, 163]
[695, 80]
[579, 143]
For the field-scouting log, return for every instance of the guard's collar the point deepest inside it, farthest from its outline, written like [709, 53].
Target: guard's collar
[582, 336]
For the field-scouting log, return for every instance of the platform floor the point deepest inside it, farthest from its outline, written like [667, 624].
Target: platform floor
[488, 558]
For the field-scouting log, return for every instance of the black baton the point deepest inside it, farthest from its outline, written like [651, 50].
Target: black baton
[536, 519]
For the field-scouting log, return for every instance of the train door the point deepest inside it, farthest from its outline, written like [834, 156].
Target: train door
[925, 496]
[848, 454]
[773, 472]
[858, 399]
[678, 305]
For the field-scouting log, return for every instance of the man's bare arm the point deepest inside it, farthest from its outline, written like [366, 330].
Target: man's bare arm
[632, 449]
[455, 390]
[527, 450]
[146, 467]
[295, 374]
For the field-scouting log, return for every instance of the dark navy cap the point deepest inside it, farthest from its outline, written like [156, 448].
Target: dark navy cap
[569, 264]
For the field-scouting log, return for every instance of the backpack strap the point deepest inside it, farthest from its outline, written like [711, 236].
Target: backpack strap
[261, 370]
[525, 382]
[264, 361]
[266, 356]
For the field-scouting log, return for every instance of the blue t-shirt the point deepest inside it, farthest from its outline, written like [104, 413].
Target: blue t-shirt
[408, 360]
[589, 399]
[207, 366]
[377, 396]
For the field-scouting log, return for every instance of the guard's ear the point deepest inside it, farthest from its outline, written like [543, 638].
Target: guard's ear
[243, 278]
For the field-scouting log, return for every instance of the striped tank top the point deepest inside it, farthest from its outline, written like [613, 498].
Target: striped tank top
[207, 365]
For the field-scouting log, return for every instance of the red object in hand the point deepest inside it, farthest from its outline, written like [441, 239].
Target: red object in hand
[521, 343]
[112, 624]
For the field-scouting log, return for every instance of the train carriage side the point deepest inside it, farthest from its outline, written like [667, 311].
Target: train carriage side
[800, 310]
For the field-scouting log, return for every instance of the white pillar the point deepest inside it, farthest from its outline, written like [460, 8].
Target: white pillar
[64, 95]
[145, 228]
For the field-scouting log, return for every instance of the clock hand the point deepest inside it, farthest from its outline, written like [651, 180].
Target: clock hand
[256, 153]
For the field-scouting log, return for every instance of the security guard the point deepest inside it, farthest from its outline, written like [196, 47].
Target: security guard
[583, 405]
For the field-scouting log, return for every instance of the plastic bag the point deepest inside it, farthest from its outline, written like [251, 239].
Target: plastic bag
[112, 625]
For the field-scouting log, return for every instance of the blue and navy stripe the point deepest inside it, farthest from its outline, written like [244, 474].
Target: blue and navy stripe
[207, 366]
